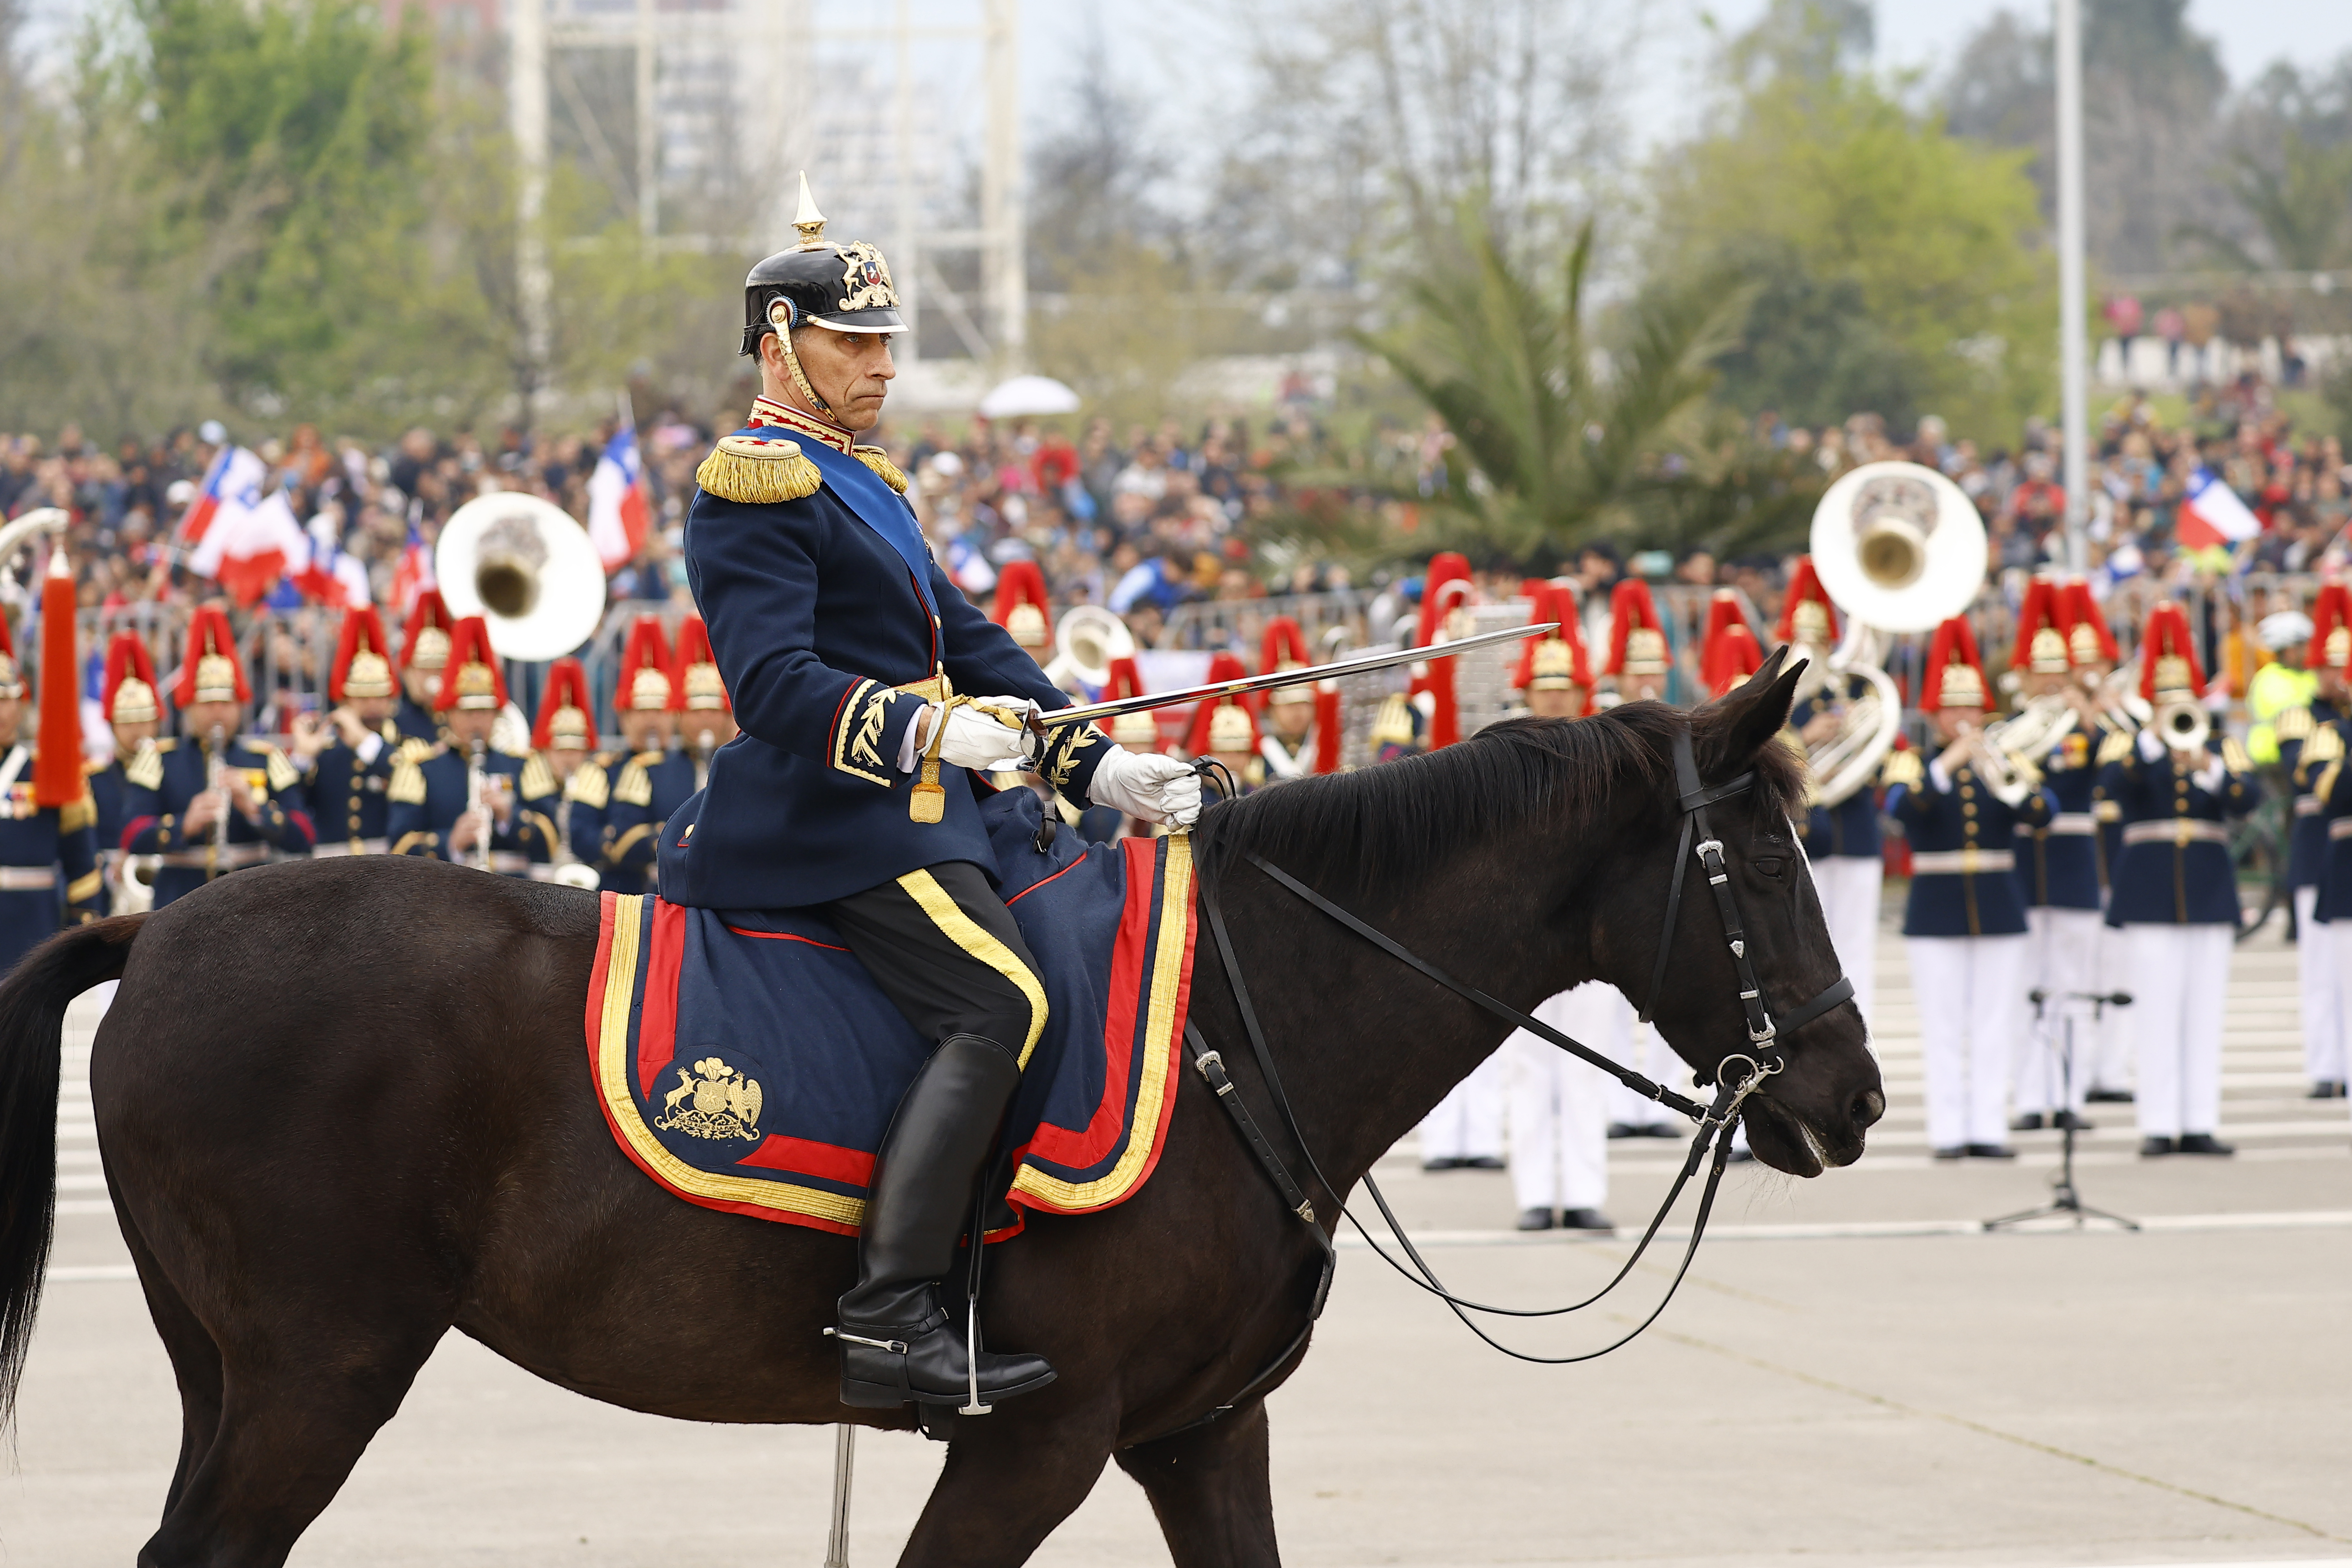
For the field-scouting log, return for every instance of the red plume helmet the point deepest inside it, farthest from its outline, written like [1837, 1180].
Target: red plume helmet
[696, 685]
[643, 683]
[1956, 677]
[1436, 598]
[132, 694]
[1805, 589]
[426, 643]
[1223, 724]
[211, 670]
[1556, 660]
[362, 665]
[472, 680]
[2088, 640]
[566, 716]
[1731, 654]
[1136, 732]
[2331, 628]
[2040, 645]
[1637, 638]
[1021, 609]
[2168, 653]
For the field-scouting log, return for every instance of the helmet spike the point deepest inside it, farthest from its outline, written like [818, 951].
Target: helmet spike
[808, 220]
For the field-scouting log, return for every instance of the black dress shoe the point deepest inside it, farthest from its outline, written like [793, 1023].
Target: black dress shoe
[2109, 1097]
[2069, 1121]
[1659, 1129]
[1535, 1219]
[1589, 1220]
[2325, 1088]
[2155, 1148]
[2029, 1122]
[1443, 1163]
[1481, 1162]
[1623, 1129]
[1954, 1152]
[1991, 1151]
[1741, 1157]
[2204, 1143]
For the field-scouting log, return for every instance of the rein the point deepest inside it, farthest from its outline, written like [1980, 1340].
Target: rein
[1716, 1122]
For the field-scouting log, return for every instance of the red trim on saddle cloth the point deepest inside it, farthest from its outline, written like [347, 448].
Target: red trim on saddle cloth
[657, 1031]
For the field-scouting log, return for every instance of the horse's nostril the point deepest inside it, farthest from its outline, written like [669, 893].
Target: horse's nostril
[1867, 1107]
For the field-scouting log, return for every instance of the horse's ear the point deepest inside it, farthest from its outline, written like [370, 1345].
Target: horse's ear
[1758, 709]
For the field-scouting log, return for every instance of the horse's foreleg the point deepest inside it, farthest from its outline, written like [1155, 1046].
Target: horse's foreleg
[1006, 1485]
[1209, 1489]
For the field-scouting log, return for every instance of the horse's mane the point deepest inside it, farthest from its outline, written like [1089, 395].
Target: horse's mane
[1373, 832]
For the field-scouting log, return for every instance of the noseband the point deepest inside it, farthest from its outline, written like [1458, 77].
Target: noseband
[1764, 1057]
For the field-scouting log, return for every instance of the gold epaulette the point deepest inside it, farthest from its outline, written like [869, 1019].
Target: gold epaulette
[758, 472]
[2294, 724]
[2234, 757]
[80, 815]
[537, 778]
[2327, 745]
[1903, 768]
[145, 767]
[590, 785]
[414, 749]
[407, 786]
[876, 458]
[636, 785]
[2117, 747]
[279, 768]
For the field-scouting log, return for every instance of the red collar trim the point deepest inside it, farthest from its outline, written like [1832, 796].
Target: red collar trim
[768, 411]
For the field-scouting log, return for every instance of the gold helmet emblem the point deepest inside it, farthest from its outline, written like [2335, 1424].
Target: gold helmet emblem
[1136, 732]
[568, 728]
[370, 675]
[2171, 673]
[2338, 651]
[134, 701]
[1026, 623]
[1554, 667]
[704, 690]
[1811, 623]
[648, 691]
[478, 687]
[2082, 642]
[215, 678]
[1962, 687]
[1229, 729]
[432, 649]
[1645, 651]
[2046, 655]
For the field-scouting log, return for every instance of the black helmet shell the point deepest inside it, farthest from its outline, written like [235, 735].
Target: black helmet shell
[845, 287]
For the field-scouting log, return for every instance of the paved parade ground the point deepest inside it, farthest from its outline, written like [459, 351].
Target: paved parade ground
[1853, 1375]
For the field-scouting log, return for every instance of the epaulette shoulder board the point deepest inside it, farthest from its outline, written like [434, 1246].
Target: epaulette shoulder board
[2327, 745]
[876, 458]
[537, 778]
[1902, 768]
[2234, 756]
[649, 759]
[145, 769]
[589, 785]
[2117, 746]
[414, 750]
[757, 471]
[2294, 724]
[636, 785]
[407, 786]
[280, 767]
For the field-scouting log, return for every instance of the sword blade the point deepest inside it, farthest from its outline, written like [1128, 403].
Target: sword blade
[1360, 665]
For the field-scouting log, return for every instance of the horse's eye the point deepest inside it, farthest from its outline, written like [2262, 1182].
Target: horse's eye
[1771, 867]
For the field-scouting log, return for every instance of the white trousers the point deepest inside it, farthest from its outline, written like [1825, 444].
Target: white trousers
[1970, 991]
[1849, 887]
[1560, 1105]
[1468, 1123]
[2179, 985]
[2063, 960]
[1637, 1045]
[2316, 971]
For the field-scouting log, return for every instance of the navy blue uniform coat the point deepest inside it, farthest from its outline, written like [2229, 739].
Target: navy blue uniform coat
[2174, 882]
[1964, 817]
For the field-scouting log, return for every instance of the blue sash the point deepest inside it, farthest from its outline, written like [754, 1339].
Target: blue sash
[878, 506]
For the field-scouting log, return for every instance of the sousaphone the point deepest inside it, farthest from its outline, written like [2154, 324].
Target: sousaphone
[525, 567]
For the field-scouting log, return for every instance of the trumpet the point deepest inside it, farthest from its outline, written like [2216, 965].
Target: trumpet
[2004, 773]
[2033, 731]
[2183, 724]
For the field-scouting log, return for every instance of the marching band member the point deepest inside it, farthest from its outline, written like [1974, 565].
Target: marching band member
[864, 683]
[2106, 1064]
[202, 824]
[1559, 1105]
[2297, 730]
[1639, 663]
[703, 719]
[345, 781]
[1138, 733]
[2175, 893]
[465, 800]
[1730, 653]
[47, 822]
[624, 796]
[1301, 733]
[424, 654]
[1224, 731]
[134, 711]
[1841, 841]
[2058, 874]
[1445, 596]
[1964, 931]
[1638, 656]
[1023, 609]
[564, 738]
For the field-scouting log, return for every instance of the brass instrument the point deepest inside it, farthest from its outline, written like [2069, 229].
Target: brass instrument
[2183, 724]
[525, 567]
[703, 747]
[1898, 548]
[1086, 640]
[216, 780]
[2034, 730]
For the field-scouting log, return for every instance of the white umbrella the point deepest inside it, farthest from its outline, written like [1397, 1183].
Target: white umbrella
[1027, 395]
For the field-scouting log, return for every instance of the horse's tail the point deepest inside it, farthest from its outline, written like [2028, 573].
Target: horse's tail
[32, 1045]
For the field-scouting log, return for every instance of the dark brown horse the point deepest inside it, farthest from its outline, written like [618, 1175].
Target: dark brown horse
[317, 1183]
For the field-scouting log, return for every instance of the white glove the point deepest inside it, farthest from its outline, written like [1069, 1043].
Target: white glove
[974, 739]
[1147, 785]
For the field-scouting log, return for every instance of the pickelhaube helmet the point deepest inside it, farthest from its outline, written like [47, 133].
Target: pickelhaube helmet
[819, 281]
[645, 676]
[131, 691]
[1231, 730]
[700, 688]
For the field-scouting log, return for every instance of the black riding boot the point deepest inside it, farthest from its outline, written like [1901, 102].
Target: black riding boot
[898, 1344]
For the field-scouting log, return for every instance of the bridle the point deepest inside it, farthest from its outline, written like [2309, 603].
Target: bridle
[1764, 1056]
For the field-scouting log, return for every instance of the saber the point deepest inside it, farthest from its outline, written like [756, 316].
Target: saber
[1039, 723]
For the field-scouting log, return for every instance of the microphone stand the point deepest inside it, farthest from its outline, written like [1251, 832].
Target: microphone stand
[2063, 1198]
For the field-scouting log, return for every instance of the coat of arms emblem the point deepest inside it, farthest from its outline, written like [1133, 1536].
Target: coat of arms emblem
[713, 1100]
[865, 280]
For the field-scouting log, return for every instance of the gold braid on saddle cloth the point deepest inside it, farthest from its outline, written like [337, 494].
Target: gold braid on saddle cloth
[757, 471]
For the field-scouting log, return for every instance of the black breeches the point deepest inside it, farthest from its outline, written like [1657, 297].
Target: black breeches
[944, 948]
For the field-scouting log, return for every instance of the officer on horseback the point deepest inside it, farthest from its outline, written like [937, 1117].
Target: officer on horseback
[850, 658]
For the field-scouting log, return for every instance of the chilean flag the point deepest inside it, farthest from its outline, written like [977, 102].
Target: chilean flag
[330, 576]
[247, 549]
[2211, 514]
[617, 508]
[415, 574]
[235, 480]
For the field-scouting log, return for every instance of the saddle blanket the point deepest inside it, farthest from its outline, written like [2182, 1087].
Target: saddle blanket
[746, 1060]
